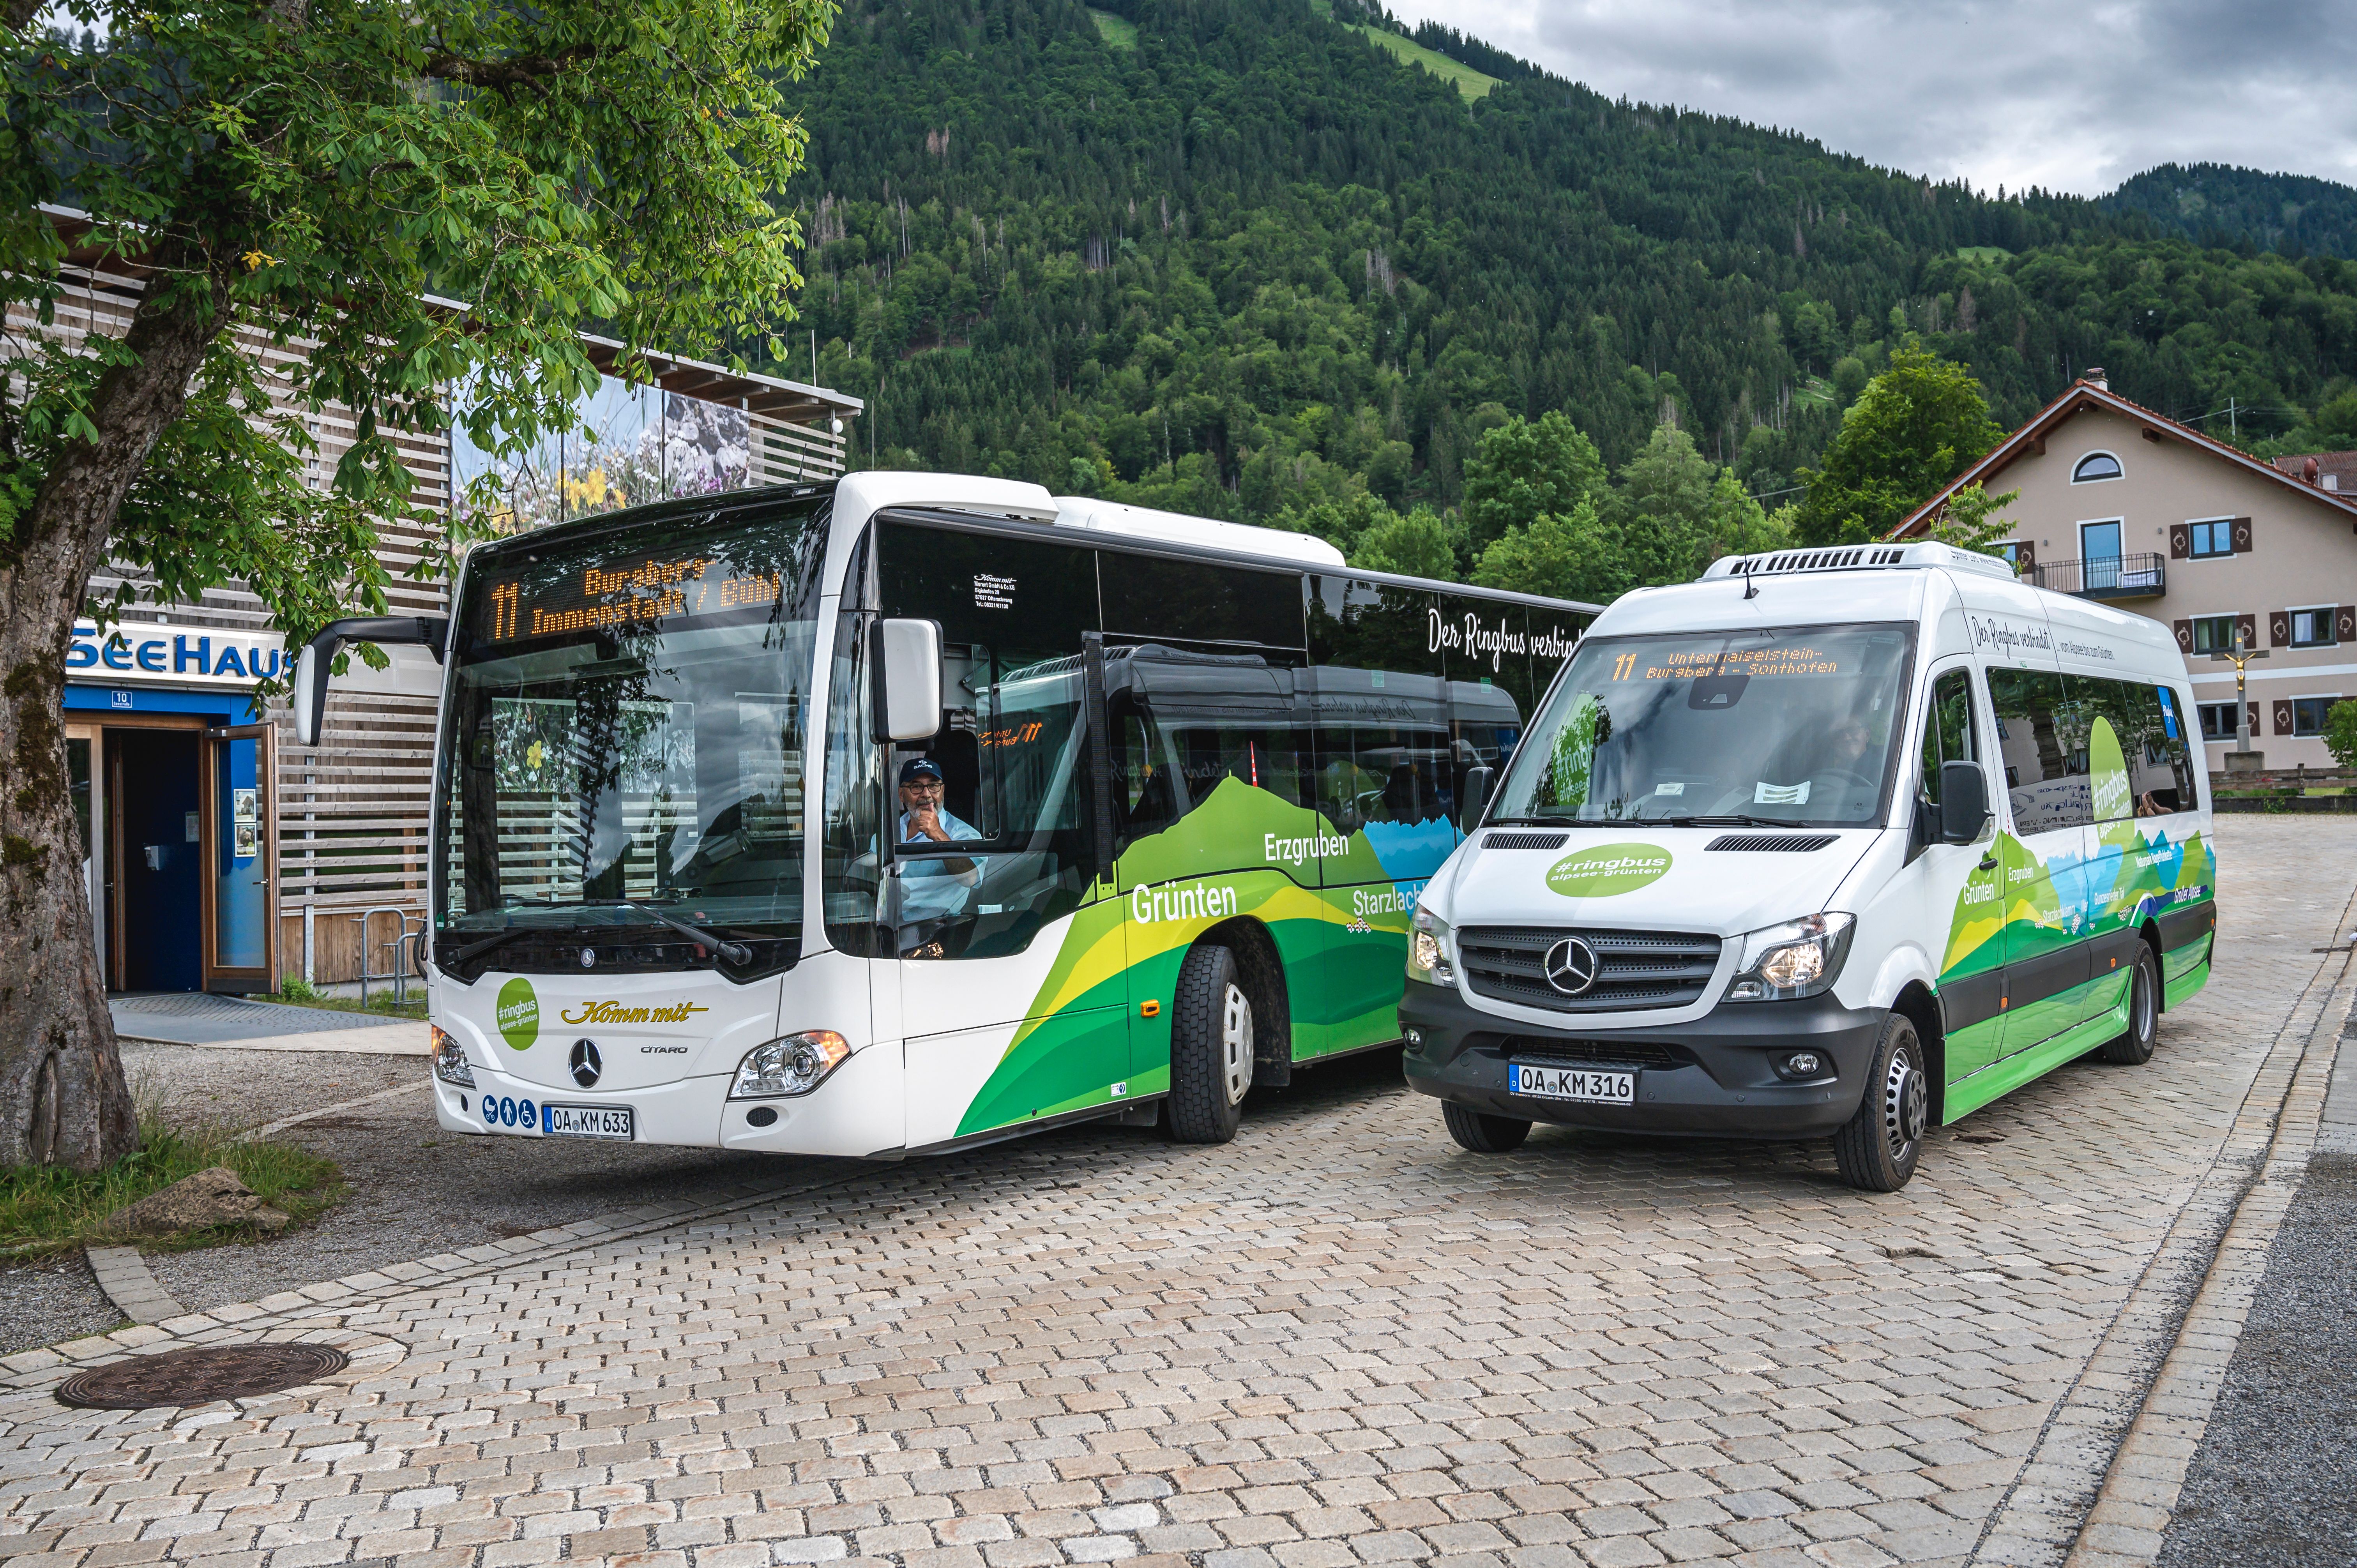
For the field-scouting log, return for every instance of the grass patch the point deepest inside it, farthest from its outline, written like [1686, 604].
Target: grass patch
[1472, 84]
[47, 1209]
[1985, 252]
[1119, 32]
[295, 994]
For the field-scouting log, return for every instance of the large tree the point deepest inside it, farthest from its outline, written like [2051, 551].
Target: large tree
[1916, 426]
[313, 170]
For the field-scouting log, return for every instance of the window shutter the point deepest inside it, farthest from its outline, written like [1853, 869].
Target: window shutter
[2279, 628]
[2282, 717]
[2255, 719]
[2242, 536]
[2185, 638]
[2181, 542]
[2344, 624]
[2250, 626]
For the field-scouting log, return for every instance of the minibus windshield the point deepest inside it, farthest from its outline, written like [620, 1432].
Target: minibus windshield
[627, 727]
[1784, 727]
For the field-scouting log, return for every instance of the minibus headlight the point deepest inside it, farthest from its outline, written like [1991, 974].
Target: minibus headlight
[1799, 958]
[449, 1058]
[794, 1065]
[1427, 950]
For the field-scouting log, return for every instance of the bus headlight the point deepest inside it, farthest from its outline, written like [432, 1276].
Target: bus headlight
[795, 1065]
[1427, 950]
[449, 1058]
[1799, 958]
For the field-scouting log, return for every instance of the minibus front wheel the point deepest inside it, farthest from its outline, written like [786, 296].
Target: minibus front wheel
[1877, 1148]
[1482, 1132]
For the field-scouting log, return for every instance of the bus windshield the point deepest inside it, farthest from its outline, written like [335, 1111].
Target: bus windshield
[628, 718]
[1783, 727]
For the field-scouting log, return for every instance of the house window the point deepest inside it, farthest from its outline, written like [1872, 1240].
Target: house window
[2308, 713]
[2212, 539]
[2218, 720]
[2213, 634]
[2311, 628]
[2096, 465]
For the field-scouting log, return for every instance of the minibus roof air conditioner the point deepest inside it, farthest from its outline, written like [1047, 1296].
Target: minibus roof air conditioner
[1857, 558]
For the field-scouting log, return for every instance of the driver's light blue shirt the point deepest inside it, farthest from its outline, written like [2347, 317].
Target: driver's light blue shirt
[951, 824]
[930, 890]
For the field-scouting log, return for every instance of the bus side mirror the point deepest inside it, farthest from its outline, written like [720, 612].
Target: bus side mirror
[1963, 801]
[430, 632]
[310, 694]
[1478, 782]
[909, 668]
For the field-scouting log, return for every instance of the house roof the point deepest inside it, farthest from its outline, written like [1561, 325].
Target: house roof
[2086, 397]
[2342, 465]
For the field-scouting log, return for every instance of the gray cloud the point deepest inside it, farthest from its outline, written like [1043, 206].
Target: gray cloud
[1995, 91]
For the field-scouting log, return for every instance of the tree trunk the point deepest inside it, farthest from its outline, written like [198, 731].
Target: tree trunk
[63, 1095]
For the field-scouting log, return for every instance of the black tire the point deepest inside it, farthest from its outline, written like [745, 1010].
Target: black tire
[1877, 1148]
[1482, 1132]
[1210, 1048]
[2134, 1047]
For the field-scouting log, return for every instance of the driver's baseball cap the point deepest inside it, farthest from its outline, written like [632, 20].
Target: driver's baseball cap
[918, 768]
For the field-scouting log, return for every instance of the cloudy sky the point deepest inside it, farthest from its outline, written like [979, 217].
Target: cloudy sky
[2011, 91]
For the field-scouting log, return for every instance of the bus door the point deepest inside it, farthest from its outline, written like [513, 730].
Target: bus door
[2042, 745]
[1008, 961]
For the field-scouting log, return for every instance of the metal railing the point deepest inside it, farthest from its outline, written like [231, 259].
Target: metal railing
[400, 948]
[2138, 576]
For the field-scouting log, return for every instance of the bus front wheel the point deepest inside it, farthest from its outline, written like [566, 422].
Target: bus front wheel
[1210, 1048]
[1482, 1133]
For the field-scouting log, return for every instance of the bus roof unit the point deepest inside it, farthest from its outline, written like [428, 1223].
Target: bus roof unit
[1859, 557]
[1242, 539]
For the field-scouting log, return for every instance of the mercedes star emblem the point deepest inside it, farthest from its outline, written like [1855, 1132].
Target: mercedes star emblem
[585, 1065]
[1570, 966]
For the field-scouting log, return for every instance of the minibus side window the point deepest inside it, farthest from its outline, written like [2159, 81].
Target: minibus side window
[2044, 750]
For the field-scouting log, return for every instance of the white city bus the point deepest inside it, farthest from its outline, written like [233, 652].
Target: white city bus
[916, 810]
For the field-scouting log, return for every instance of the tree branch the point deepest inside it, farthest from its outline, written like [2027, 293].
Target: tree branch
[22, 14]
[500, 75]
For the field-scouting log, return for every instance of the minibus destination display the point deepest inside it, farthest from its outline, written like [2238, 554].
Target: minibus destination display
[599, 595]
[1696, 665]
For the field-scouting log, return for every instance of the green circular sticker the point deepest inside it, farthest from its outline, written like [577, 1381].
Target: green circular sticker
[519, 1014]
[1607, 869]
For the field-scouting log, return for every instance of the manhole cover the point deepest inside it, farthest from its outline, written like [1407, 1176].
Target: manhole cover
[201, 1375]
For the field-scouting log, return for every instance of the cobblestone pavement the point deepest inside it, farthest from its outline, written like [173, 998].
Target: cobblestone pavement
[1339, 1340]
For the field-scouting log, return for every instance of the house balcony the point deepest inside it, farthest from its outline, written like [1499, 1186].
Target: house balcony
[2140, 576]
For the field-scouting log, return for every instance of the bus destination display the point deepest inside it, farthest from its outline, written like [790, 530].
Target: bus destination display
[599, 596]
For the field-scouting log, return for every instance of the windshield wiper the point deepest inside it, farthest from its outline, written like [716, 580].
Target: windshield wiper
[1737, 819]
[735, 952]
[486, 944]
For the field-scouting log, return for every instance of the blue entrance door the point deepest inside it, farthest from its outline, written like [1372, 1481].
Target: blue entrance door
[240, 912]
[159, 889]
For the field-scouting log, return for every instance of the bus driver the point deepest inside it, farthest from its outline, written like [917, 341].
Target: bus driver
[932, 888]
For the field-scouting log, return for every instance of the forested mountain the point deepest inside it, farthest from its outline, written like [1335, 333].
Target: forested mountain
[1231, 257]
[2215, 204]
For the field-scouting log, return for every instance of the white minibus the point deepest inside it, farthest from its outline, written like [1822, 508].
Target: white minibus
[1840, 842]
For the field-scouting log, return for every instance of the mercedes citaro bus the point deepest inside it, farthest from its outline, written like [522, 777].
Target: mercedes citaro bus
[1835, 843]
[914, 810]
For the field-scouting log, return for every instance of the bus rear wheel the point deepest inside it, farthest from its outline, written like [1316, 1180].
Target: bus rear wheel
[2133, 1047]
[1482, 1133]
[1210, 1048]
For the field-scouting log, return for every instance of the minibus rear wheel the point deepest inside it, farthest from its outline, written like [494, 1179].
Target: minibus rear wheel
[2133, 1047]
[1210, 1048]
[1482, 1133]
[1877, 1148]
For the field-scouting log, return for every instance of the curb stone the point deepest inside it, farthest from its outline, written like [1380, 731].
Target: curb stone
[123, 1279]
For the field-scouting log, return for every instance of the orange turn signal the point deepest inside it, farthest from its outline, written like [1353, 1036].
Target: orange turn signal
[1149, 1009]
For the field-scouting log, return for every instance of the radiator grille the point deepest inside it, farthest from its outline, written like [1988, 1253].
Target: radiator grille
[1635, 969]
[1609, 1053]
[1772, 843]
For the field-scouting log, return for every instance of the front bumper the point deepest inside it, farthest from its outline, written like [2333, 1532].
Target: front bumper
[856, 1111]
[1710, 1077]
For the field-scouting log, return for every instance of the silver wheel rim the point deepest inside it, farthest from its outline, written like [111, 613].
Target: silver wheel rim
[2147, 1020]
[1235, 1044]
[1906, 1105]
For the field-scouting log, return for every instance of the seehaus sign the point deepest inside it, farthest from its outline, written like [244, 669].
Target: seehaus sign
[167, 653]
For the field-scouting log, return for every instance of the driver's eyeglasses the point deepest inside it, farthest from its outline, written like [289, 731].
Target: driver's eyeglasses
[926, 786]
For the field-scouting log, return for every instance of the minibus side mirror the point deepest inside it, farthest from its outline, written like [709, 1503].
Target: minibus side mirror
[1963, 801]
[1475, 800]
[909, 676]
